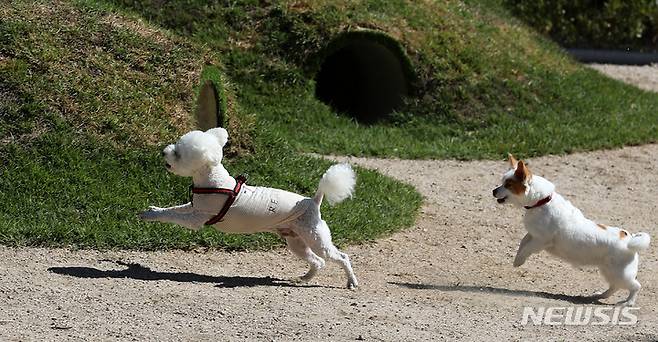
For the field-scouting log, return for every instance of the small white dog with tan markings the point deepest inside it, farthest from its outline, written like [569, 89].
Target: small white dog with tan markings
[553, 224]
[229, 205]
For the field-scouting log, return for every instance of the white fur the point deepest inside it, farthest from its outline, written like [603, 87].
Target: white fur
[337, 183]
[562, 230]
[256, 209]
[221, 135]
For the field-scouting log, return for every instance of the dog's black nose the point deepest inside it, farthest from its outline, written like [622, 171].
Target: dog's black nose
[494, 192]
[162, 153]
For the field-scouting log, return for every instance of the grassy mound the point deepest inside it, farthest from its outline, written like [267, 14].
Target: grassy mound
[88, 97]
[484, 83]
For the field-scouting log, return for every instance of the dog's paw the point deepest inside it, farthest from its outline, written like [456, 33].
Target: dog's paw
[298, 280]
[518, 262]
[596, 296]
[308, 276]
[151, 214]
[352, 284]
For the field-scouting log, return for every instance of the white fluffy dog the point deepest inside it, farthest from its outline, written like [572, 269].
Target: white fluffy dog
[231, 206]
[555, 225]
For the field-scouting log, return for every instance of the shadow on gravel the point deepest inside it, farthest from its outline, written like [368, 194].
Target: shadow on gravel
[500, 291]
[139, 272]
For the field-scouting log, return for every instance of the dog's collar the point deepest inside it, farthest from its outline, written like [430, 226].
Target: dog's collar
[540, 203]
[231, 193]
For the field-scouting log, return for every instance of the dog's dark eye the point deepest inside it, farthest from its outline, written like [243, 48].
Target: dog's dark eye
[507, 185]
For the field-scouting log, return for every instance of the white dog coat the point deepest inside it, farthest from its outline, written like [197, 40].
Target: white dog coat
[255, 208]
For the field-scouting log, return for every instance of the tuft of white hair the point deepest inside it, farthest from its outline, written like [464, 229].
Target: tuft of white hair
[336, 184]
[220, 133]
[639, 242]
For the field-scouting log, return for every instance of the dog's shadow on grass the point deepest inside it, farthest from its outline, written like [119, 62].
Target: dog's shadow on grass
[139, 272]
[500, 291]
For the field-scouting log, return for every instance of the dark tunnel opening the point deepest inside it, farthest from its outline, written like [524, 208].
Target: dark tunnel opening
[363, 78]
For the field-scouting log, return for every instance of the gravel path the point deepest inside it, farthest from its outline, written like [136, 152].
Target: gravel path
[645, 76]
[448, 277]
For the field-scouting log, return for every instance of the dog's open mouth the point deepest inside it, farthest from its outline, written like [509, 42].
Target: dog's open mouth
[501, 200]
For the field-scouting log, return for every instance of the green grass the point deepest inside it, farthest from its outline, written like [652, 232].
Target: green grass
[89, 97]
[486, 84]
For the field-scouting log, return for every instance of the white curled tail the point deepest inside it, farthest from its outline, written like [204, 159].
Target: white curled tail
[337, 184]
[639, 242]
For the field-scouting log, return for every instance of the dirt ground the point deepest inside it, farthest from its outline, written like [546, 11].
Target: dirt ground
[450, 277]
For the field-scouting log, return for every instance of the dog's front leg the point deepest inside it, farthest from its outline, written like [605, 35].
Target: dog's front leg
[183, 215]
[181, 209]
[529, 245]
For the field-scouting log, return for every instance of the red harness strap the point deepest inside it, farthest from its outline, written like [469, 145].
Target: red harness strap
[231, 193]
[540, 203]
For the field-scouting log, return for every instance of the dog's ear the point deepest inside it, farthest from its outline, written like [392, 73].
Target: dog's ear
[522, 171]
[512, 160]
[220, 133]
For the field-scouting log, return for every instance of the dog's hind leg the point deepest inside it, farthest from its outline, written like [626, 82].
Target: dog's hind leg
[634, 287]
[300, 249]
[319, 239]
[621, 276]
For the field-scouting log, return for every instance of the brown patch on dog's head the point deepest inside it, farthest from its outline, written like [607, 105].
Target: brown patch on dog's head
[623, 234]
[512, 160]
[602, 226]
[515, 185]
